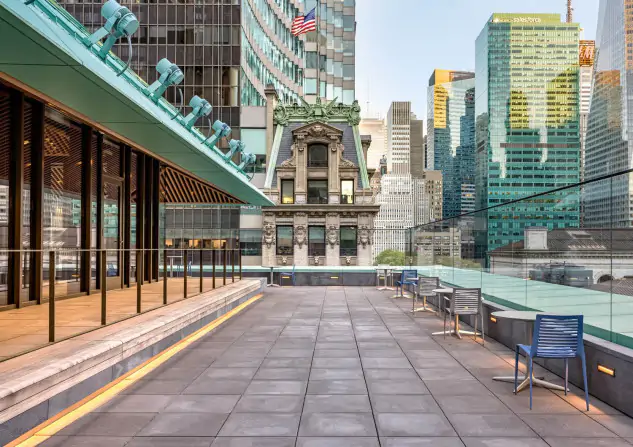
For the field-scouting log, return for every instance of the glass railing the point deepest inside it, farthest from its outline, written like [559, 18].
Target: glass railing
[567, 251]
[68, 305]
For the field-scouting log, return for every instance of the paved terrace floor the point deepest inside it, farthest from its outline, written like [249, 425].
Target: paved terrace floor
[26, 328]
[340, 366]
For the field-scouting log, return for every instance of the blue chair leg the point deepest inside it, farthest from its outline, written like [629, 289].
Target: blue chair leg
[584, 378]
[516, 370]
[530, 365]
[566, 375]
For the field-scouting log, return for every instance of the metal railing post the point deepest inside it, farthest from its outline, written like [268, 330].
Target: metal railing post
[201, 269]
[139, 279]
[51, 297]
[104, 275]
[185, 265]
[224, 265]
[233, 265]
[164, 276]
[239, 254]
[213, 264]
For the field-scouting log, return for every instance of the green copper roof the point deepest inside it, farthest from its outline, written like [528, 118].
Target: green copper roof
[43, 49]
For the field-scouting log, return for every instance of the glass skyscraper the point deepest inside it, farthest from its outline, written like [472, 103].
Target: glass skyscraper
[333, 54]
[527, 124]
[228, 50]
[451, 137]
[609, 142]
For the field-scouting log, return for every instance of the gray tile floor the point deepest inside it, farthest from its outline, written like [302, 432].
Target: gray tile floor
[329, 367]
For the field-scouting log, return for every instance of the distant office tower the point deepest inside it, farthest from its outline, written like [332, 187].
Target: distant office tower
[527, 124]
[334, 54]
[433, 190]
[228, 51]
[609, 143]
[451, 136]
[399, 138]
[376, 128]
[586, 60]
[417, 147]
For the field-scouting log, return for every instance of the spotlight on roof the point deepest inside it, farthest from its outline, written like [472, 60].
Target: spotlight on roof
[119, 22]
[247, 159]
[170, 74]
[201, 107]
[221, 130]
[235, 146]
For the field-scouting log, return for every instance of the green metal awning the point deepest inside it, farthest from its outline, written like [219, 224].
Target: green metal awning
[46, 55]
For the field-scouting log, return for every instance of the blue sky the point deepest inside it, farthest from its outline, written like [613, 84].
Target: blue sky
[400, 42]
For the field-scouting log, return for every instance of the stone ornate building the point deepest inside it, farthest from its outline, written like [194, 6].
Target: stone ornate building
[318, 178]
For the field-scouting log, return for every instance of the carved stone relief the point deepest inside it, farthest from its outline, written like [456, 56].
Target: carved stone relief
[269, 234]
[364, 236]
[332, 236]
[300, 235]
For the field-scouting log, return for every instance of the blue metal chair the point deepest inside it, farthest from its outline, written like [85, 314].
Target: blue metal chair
[408, 278]
[291, 275]
[555, 337]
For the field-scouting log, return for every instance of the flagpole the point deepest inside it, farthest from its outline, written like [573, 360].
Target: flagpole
[318, 31]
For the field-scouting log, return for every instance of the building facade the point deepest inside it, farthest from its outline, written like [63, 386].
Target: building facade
[609, 143]
[376, 128]
[527, 123]
[318, 179]
[330, 71]
[399, 138]
[451, 136]
[228, 51]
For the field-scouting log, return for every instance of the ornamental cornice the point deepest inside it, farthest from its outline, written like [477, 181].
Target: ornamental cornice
[320, 111]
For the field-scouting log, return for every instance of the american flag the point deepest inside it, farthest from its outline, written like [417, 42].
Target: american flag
[304, 24]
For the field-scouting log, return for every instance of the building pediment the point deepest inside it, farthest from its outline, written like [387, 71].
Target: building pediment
[318, 129]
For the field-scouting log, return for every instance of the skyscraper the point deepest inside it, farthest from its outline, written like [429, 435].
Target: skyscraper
[228, 51]
[527, 123]
[330, 61]
[609, 143]
[376, 128]
[399, 138]
[451, 137]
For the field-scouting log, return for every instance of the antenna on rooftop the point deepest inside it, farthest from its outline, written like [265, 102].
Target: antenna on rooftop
[570, 12]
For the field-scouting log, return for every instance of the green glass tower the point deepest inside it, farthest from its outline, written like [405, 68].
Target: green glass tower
[527, 126]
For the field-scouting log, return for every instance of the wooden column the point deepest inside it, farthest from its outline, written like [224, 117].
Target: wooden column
[16, 188]
[156, 218]
[86, 207]
[98, 171]
[127, 212]
[37, 200]
[140, 210]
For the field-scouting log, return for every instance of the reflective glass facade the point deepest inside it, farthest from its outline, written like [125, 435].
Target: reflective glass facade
[527, 123]
[609, 147]
[451, 137]
[228, 50]
[330, 63]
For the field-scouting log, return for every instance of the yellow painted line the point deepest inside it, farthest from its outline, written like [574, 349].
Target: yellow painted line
[90, 403]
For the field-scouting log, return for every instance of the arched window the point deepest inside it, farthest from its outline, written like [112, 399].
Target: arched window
[317, 156]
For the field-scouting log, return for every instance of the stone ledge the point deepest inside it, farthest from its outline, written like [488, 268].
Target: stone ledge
[38, 376]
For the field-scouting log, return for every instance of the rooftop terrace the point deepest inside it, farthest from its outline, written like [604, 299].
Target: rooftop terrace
[337, 366]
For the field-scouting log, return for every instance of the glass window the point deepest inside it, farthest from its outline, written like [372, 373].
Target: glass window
[348, 245]
[251, 242]
[311, 86]
[317, 191]
[348, 23]
[316, 241]
[287, 191]
[347, 191]
[317, 156]
[348, 71]
[284, 240]
[311, 59]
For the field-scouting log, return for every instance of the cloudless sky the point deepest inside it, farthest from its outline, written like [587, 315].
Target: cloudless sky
[400, 42]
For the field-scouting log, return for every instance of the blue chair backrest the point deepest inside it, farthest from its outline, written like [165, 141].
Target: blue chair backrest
[409, 274]
[557, 336]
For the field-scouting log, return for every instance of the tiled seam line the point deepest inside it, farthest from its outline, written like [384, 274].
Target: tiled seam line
[257, 322]
[431, 394]
[517, 415]
[316, 340]
[371, 405]
[559, 396]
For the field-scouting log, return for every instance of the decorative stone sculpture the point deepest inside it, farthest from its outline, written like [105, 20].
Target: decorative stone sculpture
[300, 235]
[348, 260]
[316, 260]
[269, 234]
[332, 236]
[364, 236]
